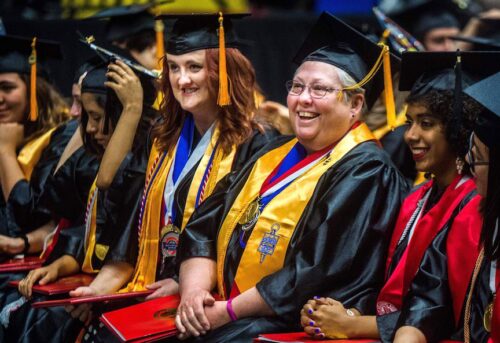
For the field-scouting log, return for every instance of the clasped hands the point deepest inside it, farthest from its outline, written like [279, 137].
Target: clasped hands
[199, 312]
[327, 318]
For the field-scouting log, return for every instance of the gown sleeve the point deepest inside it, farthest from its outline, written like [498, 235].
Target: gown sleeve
[428, 304]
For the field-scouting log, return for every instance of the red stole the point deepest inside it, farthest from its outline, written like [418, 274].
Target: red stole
[462, 251]
[391, 296]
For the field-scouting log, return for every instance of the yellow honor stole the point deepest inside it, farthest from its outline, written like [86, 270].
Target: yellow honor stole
[159, 166]
[90, 231]
[30, 154]
[279, 218]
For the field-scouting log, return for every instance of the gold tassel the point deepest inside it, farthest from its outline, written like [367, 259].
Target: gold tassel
[223, 98]
[389, 96]
[33, 116]
[160, 42]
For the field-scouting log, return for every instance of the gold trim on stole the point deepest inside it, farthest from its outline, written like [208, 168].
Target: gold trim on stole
[281, 214]
[30, 154]
[90, 239]
[149, 238]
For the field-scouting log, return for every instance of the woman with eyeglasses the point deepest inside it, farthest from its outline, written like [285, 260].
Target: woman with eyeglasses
[453, 293]
[437, 137]
[307, 216]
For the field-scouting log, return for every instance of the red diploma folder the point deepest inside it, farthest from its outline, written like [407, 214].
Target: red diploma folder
[21, 264]
[61, 286]
[90, 299]
[301, 337]
[145, 322]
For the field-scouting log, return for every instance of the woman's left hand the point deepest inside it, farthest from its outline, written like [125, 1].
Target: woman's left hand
[326, 317]
[125, 83]
[11, 136]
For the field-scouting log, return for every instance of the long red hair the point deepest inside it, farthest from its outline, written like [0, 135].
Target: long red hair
[236, 121]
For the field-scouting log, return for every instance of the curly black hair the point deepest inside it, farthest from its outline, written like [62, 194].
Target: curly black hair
[440, 104]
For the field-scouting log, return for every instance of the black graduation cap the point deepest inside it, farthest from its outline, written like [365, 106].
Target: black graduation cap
[419, 17]
[196, 31]
[15, 52]
[487, 125]
[93, 82]
[125, 21]
[425, 71]
[480, 43]
[26, 56]
[334, 42]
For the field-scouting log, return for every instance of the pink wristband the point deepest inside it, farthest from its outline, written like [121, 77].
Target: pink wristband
[230, 311]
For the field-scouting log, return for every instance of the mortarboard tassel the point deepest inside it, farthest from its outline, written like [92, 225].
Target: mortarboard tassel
[388, 91]
[223, 98]
[160, 42]
[33, 116]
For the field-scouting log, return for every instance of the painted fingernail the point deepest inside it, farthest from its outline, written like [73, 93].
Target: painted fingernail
[311, 323]
[316, 297]
[317, 330]
[310, 311]
[322, 335]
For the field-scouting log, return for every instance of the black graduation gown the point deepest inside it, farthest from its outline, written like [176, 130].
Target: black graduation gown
[429, 305]
[354, 207]
[394, 144]
[22, 211]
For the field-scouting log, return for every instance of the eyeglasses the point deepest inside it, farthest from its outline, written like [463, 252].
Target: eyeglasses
[470, 157]
[316, 91]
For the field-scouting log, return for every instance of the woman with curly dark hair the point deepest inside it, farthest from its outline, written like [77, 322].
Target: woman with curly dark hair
[437, 135]
[454, 292]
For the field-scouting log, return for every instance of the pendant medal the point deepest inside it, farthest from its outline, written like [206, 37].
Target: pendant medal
[488, 314]
[169, 240]
[250, 216]
[268, 243]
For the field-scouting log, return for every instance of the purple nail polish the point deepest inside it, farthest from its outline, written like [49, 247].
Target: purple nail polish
[316, 297]
[310, 311]
[311, 323]
[322, 335]
[317, 330]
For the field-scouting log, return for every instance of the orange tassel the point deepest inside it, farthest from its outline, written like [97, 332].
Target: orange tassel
[389, 96]
[223, 98]
[33, 116]
[160, 41]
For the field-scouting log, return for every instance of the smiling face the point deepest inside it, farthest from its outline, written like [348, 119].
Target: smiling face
[425, 135]
[318, 123]
[13, 98]
[188, 76]
[96, 119]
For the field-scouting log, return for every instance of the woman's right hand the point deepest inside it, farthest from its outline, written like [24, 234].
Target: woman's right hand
[191, 319]
[45, 274]
[126, 84]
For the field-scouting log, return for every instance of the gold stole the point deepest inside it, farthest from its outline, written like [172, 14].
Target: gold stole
[149, 234]
[283, 212]
[90, 234]
[30, 154]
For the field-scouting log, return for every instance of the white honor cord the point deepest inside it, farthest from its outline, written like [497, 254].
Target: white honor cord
[197, 154]
[293, 176]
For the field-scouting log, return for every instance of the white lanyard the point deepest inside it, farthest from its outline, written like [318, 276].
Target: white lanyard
[197, 154]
